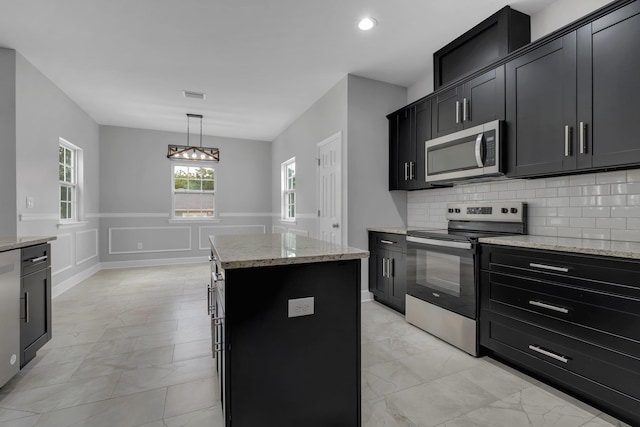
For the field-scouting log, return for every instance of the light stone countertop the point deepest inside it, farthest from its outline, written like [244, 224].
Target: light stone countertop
[392, 230]
[565, 244]
[11, 243]
[260, 250]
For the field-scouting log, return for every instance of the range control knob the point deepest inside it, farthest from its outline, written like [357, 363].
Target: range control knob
[457, 210]
[450, 210]
[504, 210]
[514, 210]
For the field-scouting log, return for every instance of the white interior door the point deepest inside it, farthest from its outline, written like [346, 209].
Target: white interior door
[330, 189]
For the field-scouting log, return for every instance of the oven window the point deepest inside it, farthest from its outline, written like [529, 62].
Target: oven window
[458, 155]
[443, 272]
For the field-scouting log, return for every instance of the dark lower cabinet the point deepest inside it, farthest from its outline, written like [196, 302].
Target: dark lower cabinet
[573, 320]
[35, 312]
[387, 269]
[278, 370]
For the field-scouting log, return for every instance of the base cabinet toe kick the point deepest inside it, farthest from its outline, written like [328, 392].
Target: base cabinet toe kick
[573, 320]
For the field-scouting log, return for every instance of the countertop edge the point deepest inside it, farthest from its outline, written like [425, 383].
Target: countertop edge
[391, 230]
[291, 261]
[23, 242]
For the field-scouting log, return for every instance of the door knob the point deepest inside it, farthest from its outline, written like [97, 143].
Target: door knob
[336, 225]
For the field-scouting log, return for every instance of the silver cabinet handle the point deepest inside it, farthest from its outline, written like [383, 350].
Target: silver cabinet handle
[549, 267]
[567, 137]
[465, 109]
[210, 258]
[549, 306]
[479, 150]
[437, 295]
[26, 307]
[457, 111]
[583, 142]
[40, 258]
[406, 171]
[548, 353]
[388, 242]
[384, 267]
[211, 295]
[411, 175]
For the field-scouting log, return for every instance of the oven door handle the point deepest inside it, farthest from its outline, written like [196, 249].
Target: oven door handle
[435, 242]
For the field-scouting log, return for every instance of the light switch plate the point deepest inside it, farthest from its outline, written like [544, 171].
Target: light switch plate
[301, 307]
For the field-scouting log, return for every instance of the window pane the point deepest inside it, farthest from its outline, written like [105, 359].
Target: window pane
[67, 174]
[68, 157]
[61, 172]
[60, 155]
[194, 204]
[195, 185]
[63, 193]
[207, 185]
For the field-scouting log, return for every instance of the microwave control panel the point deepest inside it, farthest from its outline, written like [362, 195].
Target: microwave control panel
[490, 148]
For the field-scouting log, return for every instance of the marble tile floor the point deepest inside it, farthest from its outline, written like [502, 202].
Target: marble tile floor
[132, 347]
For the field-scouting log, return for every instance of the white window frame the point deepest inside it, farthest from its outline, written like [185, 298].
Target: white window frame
[286, 191]
[75, 185]
[172, 216]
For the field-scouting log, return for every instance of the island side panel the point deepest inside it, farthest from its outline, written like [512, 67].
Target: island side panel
[293, 371]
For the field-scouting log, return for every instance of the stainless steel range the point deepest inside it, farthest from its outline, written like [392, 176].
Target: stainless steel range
[442, 269]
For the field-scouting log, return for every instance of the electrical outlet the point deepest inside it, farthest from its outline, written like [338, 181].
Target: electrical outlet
[29, 202]
[139, 245]
[301, 307]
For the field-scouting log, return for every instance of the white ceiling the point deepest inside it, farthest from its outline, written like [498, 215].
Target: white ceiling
[262, 63]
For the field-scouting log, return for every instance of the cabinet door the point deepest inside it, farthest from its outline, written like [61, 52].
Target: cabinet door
[378, 282]
[394, 159]
[422, 134]
[397, 280]
[541, 109]
[35, 329]
[447, 112]
[406, 149]
[609, 89]
[484, 98]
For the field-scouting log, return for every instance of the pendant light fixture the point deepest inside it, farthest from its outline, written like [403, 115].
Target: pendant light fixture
[192, 152]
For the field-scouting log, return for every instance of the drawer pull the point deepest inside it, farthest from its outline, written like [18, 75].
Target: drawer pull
[40, 258]
[549, 267]
[388, 242]
[549, 306]
[548, 353]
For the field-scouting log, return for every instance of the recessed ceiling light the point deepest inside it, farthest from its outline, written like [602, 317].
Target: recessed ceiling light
[367, 23]
[191, 94]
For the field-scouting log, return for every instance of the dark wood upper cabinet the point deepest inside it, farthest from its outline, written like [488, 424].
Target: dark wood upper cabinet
[540, 109]
[479, 100]
[609, 89]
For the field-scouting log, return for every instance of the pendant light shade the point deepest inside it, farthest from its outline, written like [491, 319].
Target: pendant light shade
[191, 152]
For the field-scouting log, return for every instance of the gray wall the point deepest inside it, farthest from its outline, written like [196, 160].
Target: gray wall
[324, 118]
[135, 190]
[43, 114]
[8, 207]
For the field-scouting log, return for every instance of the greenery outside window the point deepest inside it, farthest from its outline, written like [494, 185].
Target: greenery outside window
[289, 190]
[193, 189]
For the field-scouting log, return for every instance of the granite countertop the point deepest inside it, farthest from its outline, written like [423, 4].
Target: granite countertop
[392, 230]
[10, 243]
[565, 244]
[259, 250]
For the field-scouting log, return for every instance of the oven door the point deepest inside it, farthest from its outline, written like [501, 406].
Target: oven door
[443, 273]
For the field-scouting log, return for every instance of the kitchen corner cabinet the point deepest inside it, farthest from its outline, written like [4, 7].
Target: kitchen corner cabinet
[409, 128]
[35, 301]
[387, 269]
[573, 320]
[572, 102]
[479, 100]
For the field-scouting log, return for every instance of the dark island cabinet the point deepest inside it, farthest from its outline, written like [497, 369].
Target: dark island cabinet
[409, 128]
[35, 308]
[572, 319]
[572, 103]
[387, 269]
[479, 100]
[609, 89]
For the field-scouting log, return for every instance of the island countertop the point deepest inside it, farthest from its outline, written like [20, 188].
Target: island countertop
[259, 250]
[10, 243]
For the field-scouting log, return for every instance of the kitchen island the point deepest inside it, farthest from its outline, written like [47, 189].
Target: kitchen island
[286, 330]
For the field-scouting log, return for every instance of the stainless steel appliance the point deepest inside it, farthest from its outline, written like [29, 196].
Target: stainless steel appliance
[9, 315]
[442, 269]
[470, 153]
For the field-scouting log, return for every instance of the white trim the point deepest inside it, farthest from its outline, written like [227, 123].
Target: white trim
[299, 231]
[73, 224]
[82, 261]
[238, 214]
[366, 296]
[197, 220]
[132, 215]
[344, 235]
[151, 262]
[141, 251]
[208, 245]
[72, 254]
[29, 217]
[186, 164]
[284, 190]
[65, 285]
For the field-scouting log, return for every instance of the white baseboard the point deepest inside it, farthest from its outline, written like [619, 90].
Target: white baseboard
[74, 280]
[366, 296]
[151, 262]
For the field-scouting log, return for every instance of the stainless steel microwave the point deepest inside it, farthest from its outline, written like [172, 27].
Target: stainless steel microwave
[469, 153]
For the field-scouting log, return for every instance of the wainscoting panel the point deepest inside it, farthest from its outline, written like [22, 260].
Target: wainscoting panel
[86, 245]
[206, 231]
[130, 240]
[62, 254]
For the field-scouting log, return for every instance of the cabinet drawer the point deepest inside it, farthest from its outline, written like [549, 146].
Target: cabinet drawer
[610, 320]
[612, 369]
[389, 241]
[35, 258]
[601, 274]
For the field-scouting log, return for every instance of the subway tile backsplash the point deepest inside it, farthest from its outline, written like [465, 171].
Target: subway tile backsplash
[604, 205]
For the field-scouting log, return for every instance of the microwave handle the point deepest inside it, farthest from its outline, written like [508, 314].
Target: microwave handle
[479, 150]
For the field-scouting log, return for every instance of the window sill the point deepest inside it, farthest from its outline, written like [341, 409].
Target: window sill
[288, 221]
[196, 220]
[74, 224]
